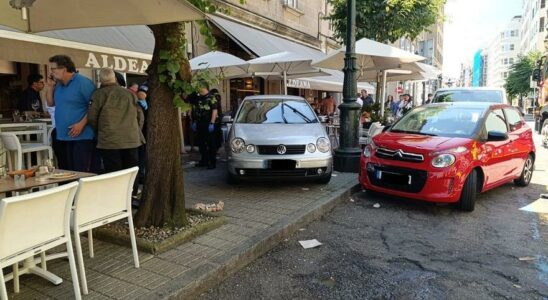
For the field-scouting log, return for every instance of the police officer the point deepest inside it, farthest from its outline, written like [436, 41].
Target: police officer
[205, 111]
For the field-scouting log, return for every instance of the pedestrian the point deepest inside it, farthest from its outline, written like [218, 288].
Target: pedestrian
[359, 100]
[329, 105]
[205, 110]
[366, 98]
[405, 105]
[389, 102]
[134, 88]
[70, 93]
[429, 99]
[117, 120]
[30, 99]
[395, 106]
[143, 104]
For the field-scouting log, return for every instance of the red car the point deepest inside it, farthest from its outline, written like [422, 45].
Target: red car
[449, 152]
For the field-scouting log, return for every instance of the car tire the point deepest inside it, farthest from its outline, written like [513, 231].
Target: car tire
[232, 179]
[526, 172]
[469, 192]
[324, 180]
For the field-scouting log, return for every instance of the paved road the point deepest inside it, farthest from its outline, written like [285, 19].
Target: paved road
[410, 250]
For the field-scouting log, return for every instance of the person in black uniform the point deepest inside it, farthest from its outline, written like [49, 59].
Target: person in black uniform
[205, 122]
[31, 95]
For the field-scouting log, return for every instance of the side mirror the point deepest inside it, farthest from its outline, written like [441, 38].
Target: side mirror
[227, 119]
[496, 136]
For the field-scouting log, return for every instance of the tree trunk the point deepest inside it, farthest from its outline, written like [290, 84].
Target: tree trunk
[163, 201]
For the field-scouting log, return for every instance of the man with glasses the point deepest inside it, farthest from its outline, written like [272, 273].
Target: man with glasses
[31, 100]
[70, 93]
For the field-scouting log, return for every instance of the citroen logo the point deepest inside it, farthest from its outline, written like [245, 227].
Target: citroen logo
[399, 153]
[281, 149]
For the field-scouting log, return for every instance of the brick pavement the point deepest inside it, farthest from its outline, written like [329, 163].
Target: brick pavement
[258, 216]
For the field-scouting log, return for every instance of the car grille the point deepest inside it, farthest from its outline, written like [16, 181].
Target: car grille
[280, 173]
[398, 155]
[396, 178]
[272, 149]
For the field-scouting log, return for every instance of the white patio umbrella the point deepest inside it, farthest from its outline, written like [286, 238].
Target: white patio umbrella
[370, 55]
[44, 15]
[220, 63]
[284, 64]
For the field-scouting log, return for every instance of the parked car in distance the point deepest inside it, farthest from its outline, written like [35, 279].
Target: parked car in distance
[449, 152]
[278, 136]
[472, 94]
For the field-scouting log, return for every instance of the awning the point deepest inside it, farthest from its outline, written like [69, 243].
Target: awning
[126, 48]
[262, 43]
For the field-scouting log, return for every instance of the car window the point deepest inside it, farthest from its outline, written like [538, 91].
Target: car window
[271, 111]
[496, 122]
[440, 120]
[514, 119]
[469, 96]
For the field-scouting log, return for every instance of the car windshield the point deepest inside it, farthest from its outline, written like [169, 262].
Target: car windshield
[469, 96]
[272, 111]
[440, 120]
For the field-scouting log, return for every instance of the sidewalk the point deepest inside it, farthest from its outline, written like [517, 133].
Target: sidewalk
[259, 215]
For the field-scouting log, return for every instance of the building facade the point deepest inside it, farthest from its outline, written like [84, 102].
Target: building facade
[502, 52]
[533, 26]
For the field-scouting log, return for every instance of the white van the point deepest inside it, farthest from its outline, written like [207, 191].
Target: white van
[470, 94]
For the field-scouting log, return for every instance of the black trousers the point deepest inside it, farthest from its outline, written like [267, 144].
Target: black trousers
[119, 159]
[75, 155]
[208, 144]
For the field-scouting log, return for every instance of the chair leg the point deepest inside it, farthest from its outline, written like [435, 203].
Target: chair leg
[133, 241]
[73, 273]
[80, 258]
[43, 261]
[90, 243]
[16, 277]
[3, 291]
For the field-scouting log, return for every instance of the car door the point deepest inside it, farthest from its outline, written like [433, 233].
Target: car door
[497, 154]
[520, 139]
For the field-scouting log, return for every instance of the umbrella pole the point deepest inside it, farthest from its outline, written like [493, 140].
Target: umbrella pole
[285, 83]
[383, 93]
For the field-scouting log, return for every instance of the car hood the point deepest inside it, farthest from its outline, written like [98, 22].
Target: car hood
[274, 134]
[418, 143]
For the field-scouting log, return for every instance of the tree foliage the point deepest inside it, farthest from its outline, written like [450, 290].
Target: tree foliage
[386, 20]
[517, 82]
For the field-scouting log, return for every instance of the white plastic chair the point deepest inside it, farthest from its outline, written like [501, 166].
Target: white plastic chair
[101, 200]
[16, 150]
[31, 224]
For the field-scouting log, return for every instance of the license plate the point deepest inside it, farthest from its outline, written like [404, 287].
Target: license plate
[282, 164]
[392, 177]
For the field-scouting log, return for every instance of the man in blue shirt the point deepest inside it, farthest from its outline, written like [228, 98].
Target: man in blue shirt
[70, 93]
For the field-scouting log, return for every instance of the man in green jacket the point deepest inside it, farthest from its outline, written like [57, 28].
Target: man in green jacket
[117, 120]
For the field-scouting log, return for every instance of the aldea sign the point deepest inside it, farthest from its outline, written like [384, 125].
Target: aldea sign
[118, 63]
[297, 83]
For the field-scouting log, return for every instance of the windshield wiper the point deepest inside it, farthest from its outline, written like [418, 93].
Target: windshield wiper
[297, 112]
[283, 112]
[412, 132]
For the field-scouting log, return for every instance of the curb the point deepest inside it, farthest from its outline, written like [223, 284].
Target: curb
[237, 258]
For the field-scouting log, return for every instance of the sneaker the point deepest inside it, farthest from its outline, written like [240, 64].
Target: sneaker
[135, 202]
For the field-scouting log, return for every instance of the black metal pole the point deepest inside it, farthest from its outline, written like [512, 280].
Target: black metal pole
[347, 156]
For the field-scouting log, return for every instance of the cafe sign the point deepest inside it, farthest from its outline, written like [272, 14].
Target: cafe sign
[297, 83]
[118, 63]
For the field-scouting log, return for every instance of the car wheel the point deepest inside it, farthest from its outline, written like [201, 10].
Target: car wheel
[469, 192]
[324, 180]
[526, 173]
[232, 179]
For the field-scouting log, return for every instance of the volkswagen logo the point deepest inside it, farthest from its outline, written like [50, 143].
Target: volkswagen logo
[281, 149]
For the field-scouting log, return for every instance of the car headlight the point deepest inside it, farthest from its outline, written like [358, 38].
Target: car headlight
[237, 145]
[443, 160]
[250, 148]
[311, 148]
[369, 149]
[323, 145]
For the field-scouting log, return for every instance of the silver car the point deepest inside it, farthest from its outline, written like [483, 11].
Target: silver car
[278, 136]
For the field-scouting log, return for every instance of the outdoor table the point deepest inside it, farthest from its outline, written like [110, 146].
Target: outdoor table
[8, 186]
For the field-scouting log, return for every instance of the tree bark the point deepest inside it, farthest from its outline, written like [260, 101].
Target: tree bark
[163, 201]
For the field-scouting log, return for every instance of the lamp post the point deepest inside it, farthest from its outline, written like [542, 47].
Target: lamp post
[347, 156]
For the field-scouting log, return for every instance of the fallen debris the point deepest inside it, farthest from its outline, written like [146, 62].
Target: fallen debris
[310, 243]
[527, 258]
[351, 200]
[306, 189]
[210, 207]
[376, 205]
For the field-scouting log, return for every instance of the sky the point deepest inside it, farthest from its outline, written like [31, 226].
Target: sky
[470, 25]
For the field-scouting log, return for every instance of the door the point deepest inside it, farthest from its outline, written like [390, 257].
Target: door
[520, 138]
[497, 164]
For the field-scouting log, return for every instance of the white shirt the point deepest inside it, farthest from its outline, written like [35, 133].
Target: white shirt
[360, 101]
